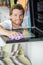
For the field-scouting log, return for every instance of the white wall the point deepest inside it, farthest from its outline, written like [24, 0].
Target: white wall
[4, 13]
[34, 50]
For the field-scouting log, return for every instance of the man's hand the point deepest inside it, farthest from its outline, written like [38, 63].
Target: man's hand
[13, 33]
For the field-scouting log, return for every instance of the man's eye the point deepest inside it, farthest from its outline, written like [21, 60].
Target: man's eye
[21, 15]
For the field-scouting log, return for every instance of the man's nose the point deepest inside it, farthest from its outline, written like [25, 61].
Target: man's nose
[18, 17]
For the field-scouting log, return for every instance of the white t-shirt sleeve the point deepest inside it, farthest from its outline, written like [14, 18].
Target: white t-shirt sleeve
[6, 24]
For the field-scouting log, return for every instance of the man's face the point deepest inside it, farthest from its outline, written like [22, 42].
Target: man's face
[17, 17]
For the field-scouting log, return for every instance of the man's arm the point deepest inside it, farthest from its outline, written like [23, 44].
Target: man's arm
[4, 32]
[7, 32]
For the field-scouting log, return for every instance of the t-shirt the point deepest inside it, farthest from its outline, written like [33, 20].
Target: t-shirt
[7, 24]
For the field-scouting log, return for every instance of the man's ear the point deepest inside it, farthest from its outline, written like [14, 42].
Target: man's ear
[10, 16]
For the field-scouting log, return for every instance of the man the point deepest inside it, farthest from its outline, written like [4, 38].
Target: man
[15, 21]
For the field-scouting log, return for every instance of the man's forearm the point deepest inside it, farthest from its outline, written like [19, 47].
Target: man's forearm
[8, 33]
[4, 32]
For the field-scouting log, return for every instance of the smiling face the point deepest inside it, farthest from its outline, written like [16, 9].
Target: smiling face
[17, 17]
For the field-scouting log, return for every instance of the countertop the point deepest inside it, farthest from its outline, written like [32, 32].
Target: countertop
[32, 36]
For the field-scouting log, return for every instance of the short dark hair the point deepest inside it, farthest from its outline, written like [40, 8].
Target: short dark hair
[17, 6]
